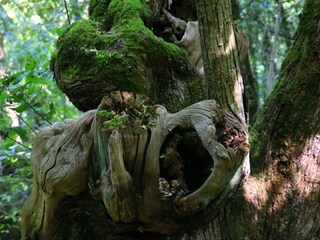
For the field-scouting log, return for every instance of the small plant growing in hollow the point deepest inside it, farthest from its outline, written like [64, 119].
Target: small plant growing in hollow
[113, 120]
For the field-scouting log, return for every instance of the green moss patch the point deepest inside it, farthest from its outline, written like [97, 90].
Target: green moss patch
[124, 57]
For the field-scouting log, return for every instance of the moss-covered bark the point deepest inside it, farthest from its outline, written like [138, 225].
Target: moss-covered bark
[115, 50]
[291, 110]
[280, 200]
[147, 178]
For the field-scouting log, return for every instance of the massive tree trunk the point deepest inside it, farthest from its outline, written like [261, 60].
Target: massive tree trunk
[153, 173]
[132, 170]
[220, 54]
[281, 198]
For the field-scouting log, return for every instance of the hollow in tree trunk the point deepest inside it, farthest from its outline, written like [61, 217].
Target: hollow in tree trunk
[133, 170]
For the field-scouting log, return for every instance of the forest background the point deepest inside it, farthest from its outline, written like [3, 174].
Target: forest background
[30, 99]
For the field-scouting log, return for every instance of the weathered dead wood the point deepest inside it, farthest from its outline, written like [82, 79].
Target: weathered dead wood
[122, 168]
[60, 159]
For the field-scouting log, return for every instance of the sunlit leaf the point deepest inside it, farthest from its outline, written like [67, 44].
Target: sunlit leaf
[59, 31]
[17, 77]
[31, 64]
[3, 95]
[22, 107]
[31, 78]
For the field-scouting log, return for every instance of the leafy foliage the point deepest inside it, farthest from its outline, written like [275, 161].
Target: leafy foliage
[113, 120]
[29, 98]
[257, 20]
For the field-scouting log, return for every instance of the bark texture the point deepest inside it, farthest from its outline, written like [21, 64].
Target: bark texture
[172, 176]
[281, 198]
[161, 175]
[143, 176]
[220, 55]
[116, 50]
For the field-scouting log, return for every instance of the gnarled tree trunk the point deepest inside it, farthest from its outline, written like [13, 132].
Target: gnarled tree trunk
[281, 198]
[153, 173]
[132, 170]
[144, 178]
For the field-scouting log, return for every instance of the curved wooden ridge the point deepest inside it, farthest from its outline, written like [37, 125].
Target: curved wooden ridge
[156, 176]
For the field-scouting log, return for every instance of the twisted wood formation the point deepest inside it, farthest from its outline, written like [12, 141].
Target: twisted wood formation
[148, 177]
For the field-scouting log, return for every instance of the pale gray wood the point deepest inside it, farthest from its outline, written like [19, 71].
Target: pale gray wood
[121, 168]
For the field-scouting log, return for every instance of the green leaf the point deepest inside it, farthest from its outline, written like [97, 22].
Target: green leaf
[17, 77]
[21, 108]
[47, 91]
[31, 78]
[17, 97]
[59, 31]
[21, 132]
[31, 64]
[52, 107]
[3, 95]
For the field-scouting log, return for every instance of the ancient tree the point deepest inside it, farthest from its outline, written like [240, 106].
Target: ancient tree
[162, 151]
